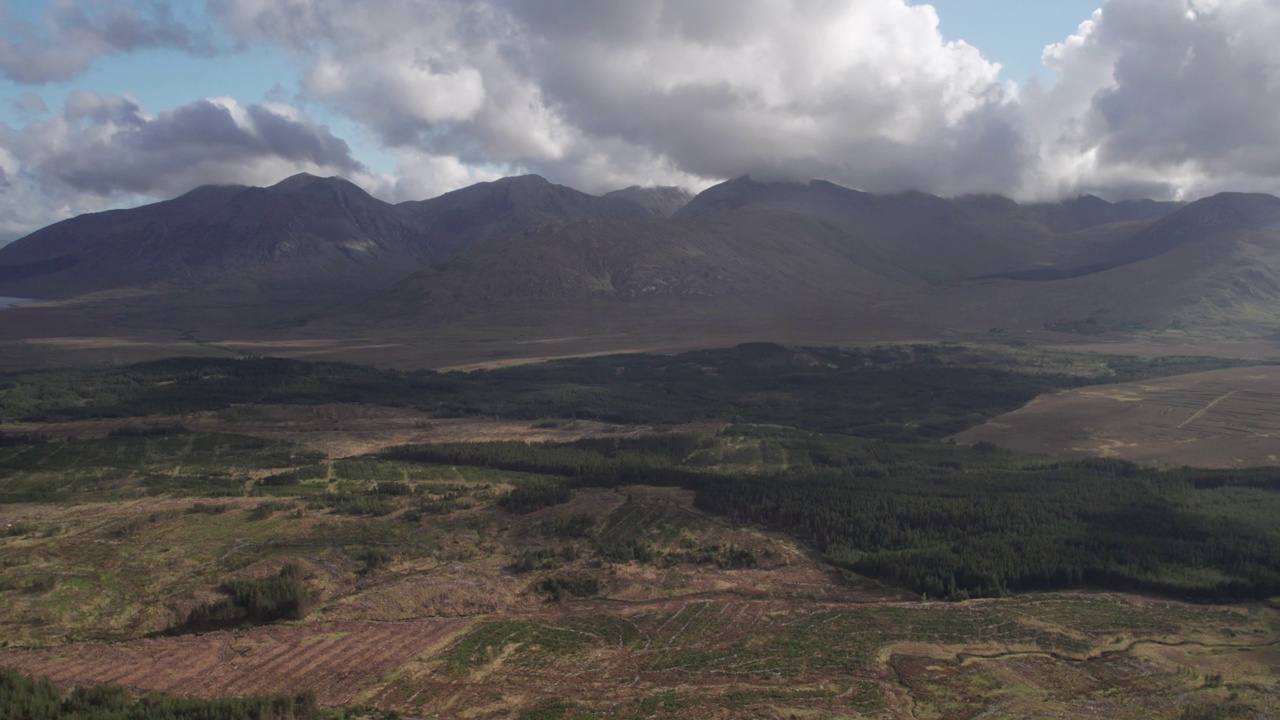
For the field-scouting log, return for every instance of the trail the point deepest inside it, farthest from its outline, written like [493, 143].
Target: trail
[1200, 413]
[967, 656]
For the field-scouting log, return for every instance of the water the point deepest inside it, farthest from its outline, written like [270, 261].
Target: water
[7, 301]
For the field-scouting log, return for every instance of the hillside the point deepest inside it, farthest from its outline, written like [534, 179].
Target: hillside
[302, 230]
[762, 531]
[316, 265]
[304, 234]
[1212, 263]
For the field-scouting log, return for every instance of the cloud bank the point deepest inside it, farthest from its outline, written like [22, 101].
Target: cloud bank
[1162, 98]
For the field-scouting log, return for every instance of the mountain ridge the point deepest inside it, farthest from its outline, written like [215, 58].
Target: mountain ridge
[317, 255]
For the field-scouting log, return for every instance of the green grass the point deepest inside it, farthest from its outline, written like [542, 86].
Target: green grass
[192, 464]
[532, 644]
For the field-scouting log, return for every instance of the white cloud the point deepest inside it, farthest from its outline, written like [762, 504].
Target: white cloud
[1169, 98]
[650, 90]
[1175, 97]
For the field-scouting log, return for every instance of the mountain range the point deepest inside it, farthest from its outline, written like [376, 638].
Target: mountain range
[524, 257]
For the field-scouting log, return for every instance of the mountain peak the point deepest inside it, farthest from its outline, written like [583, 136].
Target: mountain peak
[530, 179]
[306, 181]
[659, 201]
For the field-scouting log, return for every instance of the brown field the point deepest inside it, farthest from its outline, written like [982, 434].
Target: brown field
[337, 661]
[342, 430]
[728, 656]
[449, 629]
[1224, 418]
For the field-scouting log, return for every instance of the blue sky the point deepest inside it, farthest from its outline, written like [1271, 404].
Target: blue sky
[410, 98]
[1012, 32]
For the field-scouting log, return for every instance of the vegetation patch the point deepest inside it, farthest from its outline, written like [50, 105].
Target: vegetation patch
[253, 602]
[26, 699]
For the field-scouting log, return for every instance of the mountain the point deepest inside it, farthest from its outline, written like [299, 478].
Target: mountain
[1213, 262]
[908, 236]
[319, 260]
[466, 217]
[302, 230]
[304, 234]
[659, 201]
[1089, 211]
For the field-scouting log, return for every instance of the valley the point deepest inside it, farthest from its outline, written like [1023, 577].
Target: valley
[776, 450]
[584, 538]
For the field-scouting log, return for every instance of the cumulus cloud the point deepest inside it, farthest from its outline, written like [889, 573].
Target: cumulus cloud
[1164, 98]
[72, 34]
[106, 145]
[1176, 98]
[105, 150]
[1169, 97]
[604, 94]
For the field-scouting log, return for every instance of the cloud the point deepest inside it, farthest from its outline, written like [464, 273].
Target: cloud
[606, 94]
[28, 105]
[1180, 97]
[1174, 97]
[103, 151]
[72, 34]
[1169, 98]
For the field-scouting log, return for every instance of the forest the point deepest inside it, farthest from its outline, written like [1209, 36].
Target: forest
[842, 448]
[897, 393]
[946, 521]
[24, 699]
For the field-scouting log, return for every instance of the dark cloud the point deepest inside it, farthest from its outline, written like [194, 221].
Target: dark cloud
[1192, 86]
[105, 150]
[74, 33]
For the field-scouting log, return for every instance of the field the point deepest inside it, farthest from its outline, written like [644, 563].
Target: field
[686, 634]
[341, 430]
[1224, 418]
[759, 532]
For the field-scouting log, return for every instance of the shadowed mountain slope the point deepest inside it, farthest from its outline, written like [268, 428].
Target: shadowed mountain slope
[460, 219]
[302, 230]
[1214, 262]
[659, 201]
[321, 258]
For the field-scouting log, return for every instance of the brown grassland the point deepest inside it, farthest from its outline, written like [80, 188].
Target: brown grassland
[457, 621]
[1223, 418]
[449, 628]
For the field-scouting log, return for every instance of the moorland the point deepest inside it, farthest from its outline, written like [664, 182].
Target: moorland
[756, 531]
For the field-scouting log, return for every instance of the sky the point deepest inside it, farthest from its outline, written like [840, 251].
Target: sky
[107, 103]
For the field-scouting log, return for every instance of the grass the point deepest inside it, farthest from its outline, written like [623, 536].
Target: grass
[191, 464]
[531, 644]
